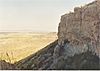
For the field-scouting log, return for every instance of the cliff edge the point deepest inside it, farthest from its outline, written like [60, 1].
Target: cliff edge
[78, 43]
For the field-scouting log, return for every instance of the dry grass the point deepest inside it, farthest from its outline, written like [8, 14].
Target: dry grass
[20, 45]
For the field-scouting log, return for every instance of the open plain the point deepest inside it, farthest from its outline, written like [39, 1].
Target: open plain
[16, 46]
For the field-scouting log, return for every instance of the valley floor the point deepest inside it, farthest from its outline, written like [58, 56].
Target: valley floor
[16, 46]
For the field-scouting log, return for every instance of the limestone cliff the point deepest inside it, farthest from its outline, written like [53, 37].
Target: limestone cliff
[81, 28]
[78, 43]
[46, 59]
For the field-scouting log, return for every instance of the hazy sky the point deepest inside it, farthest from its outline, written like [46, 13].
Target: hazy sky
[34, 15]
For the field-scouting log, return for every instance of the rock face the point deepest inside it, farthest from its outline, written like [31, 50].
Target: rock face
[78, 43]
[40, 60]
[51, 58]
[81, 28]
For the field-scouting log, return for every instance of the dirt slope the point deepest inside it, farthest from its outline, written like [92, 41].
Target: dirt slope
[43, 59]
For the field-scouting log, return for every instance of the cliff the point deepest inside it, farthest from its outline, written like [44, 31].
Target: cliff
[78, 43]
[45, 59]
[81, 28]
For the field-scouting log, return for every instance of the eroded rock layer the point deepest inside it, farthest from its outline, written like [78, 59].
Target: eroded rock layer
[46, 60]
[78, 43]
[81, 28]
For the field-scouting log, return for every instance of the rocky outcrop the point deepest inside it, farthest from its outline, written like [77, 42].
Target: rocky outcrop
[78, 32]
[81, 28]
[49, 59]
[78, 39]
[40, 60]
[78, 43]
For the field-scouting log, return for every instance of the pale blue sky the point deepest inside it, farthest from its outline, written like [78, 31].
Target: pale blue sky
[34, 15]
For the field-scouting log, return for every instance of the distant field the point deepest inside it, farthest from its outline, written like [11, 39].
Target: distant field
[16, 46]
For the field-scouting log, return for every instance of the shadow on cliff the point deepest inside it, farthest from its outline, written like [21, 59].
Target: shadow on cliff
[36, 60]
[25, 63]
[43, 59]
